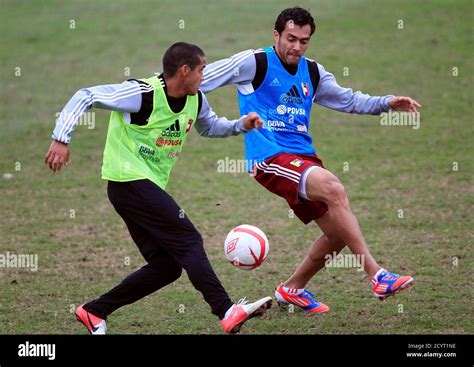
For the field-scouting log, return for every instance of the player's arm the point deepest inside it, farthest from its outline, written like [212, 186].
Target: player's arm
[329, 94]
[125, 97]
[237, 69]
[210, 125]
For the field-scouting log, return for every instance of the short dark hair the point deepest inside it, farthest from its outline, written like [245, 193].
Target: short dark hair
[298, 16]
[181, 53]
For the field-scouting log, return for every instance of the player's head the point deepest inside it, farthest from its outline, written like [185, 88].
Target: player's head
[185, 62]
[293, 30]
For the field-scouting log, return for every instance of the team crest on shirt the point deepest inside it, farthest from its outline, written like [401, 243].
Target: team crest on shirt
[305, 88]
[296, 163]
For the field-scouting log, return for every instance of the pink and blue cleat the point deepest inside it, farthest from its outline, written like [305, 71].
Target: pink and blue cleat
[304, 300]
[386, 284]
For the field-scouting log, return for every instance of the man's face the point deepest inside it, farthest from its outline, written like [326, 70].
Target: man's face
[292, 43]
[194, 77]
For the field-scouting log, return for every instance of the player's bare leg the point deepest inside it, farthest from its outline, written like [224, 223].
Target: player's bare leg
[322, 185]
[339, 227]
[326, 244]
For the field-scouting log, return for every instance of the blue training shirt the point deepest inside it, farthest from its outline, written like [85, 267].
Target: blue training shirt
[284, 102]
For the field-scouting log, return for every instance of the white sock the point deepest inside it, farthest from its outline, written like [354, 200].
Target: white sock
[227, 313]
[381, 270]
[293, 290]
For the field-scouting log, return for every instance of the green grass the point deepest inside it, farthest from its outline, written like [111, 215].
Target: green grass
[391, 168]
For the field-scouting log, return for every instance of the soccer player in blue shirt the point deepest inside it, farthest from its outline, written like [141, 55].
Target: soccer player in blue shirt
[281, 85]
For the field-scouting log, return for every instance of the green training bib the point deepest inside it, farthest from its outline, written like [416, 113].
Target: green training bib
[133, 152]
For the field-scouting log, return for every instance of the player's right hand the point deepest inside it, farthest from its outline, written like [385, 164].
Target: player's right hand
[253, 121]
[57, 155]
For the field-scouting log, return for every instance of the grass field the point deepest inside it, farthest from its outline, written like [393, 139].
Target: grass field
[425, 172]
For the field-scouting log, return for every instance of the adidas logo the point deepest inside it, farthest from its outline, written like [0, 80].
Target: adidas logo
[172, 131]
[292, 96]
[293, 92]
[275, 83]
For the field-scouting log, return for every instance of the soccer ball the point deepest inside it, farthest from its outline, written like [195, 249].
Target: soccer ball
[246, 247]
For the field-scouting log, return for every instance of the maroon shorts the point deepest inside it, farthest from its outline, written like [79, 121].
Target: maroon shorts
[281, 175]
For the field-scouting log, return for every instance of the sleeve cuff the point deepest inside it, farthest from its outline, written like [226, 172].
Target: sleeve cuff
[240, 125]
[65, 141]
[385, 106]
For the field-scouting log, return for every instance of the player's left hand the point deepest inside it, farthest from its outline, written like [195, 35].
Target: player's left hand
[405, 104]
[252, 120]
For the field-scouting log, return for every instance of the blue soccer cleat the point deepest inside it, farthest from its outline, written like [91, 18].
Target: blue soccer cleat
[386, 284]
[304, 300]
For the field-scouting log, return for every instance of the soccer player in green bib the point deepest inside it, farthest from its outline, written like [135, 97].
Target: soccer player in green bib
[148, 126]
